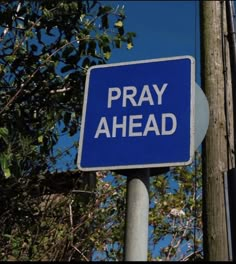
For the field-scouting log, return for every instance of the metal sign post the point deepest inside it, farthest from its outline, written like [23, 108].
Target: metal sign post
[137, 210]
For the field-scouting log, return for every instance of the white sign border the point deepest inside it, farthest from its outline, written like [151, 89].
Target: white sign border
[139, 166]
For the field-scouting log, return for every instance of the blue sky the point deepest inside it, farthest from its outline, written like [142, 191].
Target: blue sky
[163, 28]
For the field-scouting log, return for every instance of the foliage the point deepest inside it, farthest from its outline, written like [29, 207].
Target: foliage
[176, 216]
[46, 48]
[69, 226]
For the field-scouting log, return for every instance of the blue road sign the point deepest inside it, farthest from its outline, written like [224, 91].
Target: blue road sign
[138, 114]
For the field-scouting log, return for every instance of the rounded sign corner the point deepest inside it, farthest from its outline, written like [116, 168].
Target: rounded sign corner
[91, 68]
[191, 58]
[189, 161]
[81, 168]
[86, 168]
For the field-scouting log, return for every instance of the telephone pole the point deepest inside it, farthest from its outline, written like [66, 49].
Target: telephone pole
[217, 151]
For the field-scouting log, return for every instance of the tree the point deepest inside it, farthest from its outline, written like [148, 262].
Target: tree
[45, 50]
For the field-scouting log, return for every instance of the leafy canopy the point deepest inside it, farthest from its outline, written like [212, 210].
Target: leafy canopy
[45, 50]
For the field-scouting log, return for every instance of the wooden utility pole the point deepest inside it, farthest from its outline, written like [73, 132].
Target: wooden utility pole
[216, 146]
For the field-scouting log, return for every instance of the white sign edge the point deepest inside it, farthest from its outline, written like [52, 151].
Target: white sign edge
[151, 165]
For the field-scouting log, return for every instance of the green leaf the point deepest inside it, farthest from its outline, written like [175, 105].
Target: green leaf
[107, 52]
[7, 236]
[104, 10]
[130, 45]
[5, 165]
[91, 47]
[86, 63]
[105, 21]
[29, 34]
[119, 24]
[10, 58]
[105, 39]
[107, 55]
[117, 42]
[7, 173]
[48, 14]
[40, 139]
[3, 133]
[121, 30]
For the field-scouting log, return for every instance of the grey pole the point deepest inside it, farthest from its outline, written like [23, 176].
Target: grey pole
[136, 236]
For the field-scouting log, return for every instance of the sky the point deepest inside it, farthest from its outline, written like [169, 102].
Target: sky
[164, 29]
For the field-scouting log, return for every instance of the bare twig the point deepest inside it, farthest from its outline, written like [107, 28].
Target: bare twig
[82, 191]
[76, 249]
[190, 255]
[71, 214]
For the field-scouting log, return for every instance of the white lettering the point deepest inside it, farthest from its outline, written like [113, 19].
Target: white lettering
[174, 124]
[112, 97]
[159, 92]
[145, 96]
[122, 126]
[102, 128]
[135, 126]
[130, 96]
[132, 125]
[151, 126]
